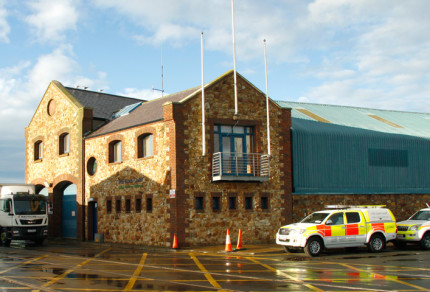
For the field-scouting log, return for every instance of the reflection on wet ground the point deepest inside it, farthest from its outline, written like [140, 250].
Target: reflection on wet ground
[77, 267]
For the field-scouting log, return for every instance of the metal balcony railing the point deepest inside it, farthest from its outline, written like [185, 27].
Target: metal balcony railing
[240, 166]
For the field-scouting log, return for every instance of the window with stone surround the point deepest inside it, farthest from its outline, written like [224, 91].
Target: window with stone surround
[138, 204]
[232, 202]
[109, 206]
[199, 202]
[64, 143]
[118, 205]
[127, 204]
[115, 151]
[249, 202]
[264, 202]
[216, 202]
[145, 145]
[38, 150]
[149, 203]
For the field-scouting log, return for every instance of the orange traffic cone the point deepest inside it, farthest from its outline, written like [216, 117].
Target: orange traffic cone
[239, 240]
[228, 241]
[175, 242]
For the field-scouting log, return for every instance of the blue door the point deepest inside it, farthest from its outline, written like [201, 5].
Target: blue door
[69, 212]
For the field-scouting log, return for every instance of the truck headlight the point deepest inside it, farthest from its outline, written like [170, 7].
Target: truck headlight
[414, 227]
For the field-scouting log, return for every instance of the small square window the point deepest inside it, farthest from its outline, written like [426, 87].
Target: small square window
[138, 205]
[232, 201]
[216, 203]
[199, 203]
[109, 206]
[248, 203]
[127, 205]
[149, 204]
[118, 206]
[264, 203]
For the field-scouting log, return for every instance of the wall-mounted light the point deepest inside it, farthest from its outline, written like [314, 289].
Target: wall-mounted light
[47, 184]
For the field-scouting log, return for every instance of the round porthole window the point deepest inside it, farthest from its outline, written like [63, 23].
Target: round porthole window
[91, 166]
[51, 107]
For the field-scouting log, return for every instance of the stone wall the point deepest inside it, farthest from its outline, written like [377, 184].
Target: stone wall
[206, 227]
[57, 113]
[402, 205]
[132, 178]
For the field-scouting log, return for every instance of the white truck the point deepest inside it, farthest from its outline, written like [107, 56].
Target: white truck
[340, 226]
[23, 214]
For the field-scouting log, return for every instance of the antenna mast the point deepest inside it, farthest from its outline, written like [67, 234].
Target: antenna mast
[162, 76]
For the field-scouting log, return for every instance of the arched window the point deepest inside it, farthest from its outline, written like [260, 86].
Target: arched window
[38, 150]
[145, 147]
[115, 151]
[64, 143]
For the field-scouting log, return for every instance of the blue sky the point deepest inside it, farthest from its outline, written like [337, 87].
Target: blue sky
[360, 53]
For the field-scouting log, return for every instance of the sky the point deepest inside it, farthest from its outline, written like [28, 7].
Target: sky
[362, 53]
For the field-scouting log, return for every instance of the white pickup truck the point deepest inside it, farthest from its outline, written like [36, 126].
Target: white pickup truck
[415, 230]
[340, 226]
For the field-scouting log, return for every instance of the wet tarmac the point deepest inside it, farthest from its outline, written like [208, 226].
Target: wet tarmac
[77, 266]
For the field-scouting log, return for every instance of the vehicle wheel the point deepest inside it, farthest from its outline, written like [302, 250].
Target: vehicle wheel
[399, 244]
[425, 241]
[4, 240]
[377, 243]
[313, 247]
[291, 249]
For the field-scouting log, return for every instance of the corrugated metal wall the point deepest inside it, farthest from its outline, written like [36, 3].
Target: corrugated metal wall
[334, 159]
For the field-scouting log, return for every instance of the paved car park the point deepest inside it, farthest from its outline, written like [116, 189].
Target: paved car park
[80, 266]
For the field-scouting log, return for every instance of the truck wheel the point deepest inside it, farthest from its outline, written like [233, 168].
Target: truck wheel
[313, 247]
[4, 240]
[425, 241]
[376, 243]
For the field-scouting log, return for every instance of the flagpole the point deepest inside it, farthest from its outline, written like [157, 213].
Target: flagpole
[203, 102]
[234, 59]
[267, 100]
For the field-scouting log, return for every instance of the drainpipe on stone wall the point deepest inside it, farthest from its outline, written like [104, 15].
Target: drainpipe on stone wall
[203, 104]
[83, 190]
[267, 100]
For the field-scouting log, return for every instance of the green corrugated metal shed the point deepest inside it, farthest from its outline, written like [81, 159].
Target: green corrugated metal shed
[339, 149]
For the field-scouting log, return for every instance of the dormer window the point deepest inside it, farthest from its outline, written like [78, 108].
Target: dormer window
[64, 143]
[38, 150]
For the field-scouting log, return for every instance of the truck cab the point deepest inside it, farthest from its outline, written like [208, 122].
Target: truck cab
[23, 214]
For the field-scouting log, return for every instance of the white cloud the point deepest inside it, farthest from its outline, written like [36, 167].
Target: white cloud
[23, 85]
[4, 26]
[145, 94]
[52, 18]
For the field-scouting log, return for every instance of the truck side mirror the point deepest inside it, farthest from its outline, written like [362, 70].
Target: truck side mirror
[329, 222]
[50, 208]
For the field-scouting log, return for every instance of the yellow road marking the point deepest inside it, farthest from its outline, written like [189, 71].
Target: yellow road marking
[284, 274]
[22, 264]
[206, 273]
[59, 277]
[136, 273]
[388, 278]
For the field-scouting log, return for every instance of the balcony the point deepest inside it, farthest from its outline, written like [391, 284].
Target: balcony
[240, 167]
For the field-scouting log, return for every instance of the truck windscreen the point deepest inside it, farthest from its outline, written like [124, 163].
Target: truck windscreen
[29, 205]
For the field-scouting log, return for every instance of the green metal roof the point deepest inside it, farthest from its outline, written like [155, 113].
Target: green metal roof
[387, 121]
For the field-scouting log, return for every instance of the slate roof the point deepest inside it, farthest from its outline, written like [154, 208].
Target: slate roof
[104, 105]
[147, 112]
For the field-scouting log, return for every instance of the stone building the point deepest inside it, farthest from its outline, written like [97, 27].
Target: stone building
[142, 175]
[144, 171]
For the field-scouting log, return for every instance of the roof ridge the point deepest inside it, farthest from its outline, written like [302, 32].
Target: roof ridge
[104, 93]
[350, 106]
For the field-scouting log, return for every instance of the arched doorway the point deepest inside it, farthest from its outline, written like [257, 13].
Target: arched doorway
[68, 214]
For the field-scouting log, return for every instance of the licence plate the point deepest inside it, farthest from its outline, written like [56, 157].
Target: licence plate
[31, 230]
[400, 236]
